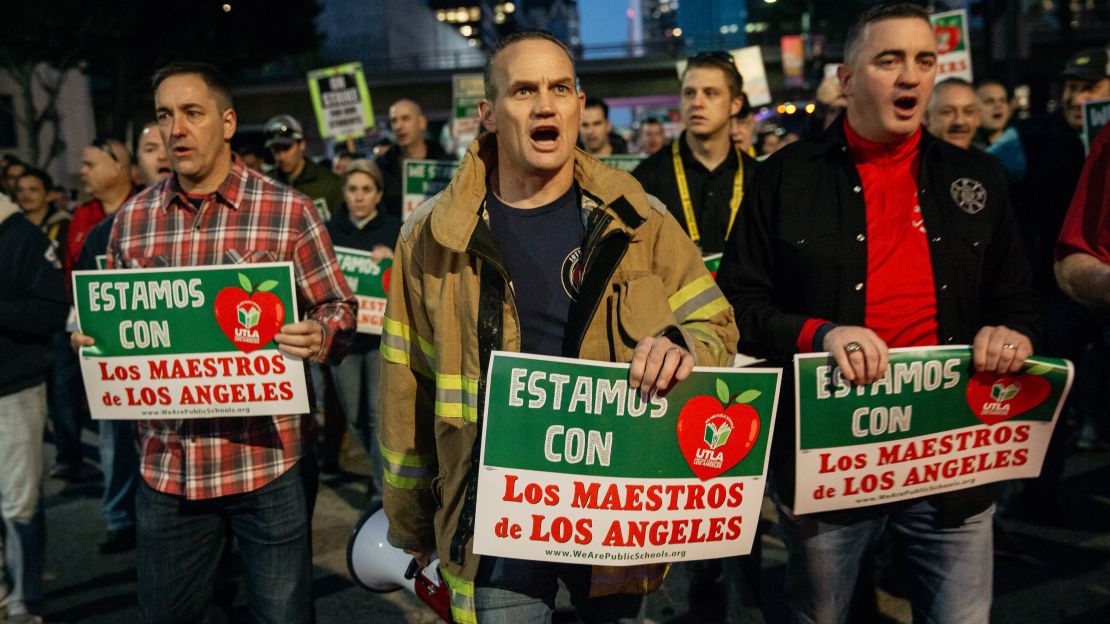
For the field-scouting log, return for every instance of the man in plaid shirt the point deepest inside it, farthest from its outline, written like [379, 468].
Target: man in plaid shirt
[202, 476]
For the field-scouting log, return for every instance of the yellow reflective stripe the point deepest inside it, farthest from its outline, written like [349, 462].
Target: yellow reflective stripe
[396, 347]
[398, 356]
[399, 329]
[456, 397]
[407, 471]
[462, 598]
[691, 290]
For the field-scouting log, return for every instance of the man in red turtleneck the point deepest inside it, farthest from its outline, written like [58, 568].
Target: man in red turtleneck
[877, 235]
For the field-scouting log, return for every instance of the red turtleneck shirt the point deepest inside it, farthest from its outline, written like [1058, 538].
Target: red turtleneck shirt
[901, 302]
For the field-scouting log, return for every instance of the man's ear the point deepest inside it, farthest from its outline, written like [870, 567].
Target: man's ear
[230, 122]
[485, 113]
[844, 75]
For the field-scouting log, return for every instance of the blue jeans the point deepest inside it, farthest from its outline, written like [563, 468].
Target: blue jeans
[947, 570]
[66, 402]
[179, 543]
[119, 460]
[512, 591]
[23, 538]
[356, 383]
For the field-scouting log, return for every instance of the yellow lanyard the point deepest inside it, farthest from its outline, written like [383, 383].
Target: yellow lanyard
[684, 192]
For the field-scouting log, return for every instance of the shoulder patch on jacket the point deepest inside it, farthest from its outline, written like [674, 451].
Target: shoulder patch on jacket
[422, 211]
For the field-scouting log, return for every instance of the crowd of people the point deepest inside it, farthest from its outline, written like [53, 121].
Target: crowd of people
[910, 212]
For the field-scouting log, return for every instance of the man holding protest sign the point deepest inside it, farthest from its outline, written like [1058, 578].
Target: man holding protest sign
[537, 248]
[876, 235]
[247, 473]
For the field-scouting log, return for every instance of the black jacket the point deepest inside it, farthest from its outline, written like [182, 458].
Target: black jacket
[799, 251]
[710, 191]
[32, 301]
[382, 230]
[390, 164]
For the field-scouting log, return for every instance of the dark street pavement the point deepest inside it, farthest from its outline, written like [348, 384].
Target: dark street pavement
[1044, 574]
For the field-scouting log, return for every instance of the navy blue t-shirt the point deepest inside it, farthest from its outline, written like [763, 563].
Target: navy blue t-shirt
[542, 248]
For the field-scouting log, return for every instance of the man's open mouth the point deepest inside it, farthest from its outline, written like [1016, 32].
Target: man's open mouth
[545, 134]
[906, 103]
[164, 170]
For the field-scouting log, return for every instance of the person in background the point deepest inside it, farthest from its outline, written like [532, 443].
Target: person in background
[409, 125]
[359, 224]
[598, 137]
[702, 177]
[770, 141]
[12, 171]
[1043, 157]
[33, 308]
[741, 128]
[343, 157]
[995, 111]
[953, 112]
[254, 157]
[652, 136]
[32, 193]
[285, 140]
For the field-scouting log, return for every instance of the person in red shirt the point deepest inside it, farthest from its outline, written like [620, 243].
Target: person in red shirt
[106, 174]
[872, 236]
[1083, 251]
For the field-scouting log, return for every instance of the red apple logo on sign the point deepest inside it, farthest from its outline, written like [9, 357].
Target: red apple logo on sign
[948, 38]
[249, 316]
[712, 437]
[996, 398]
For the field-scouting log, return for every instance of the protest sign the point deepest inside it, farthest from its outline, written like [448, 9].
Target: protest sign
[189, 342]
[577, 468]
[931, 424]
[953, 45]
[369, 281]
[1096, 114]
[624, 162]
[467, 90]
[422, 179]
[341, 101]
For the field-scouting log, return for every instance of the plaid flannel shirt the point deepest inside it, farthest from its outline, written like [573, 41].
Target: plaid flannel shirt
[249, 219]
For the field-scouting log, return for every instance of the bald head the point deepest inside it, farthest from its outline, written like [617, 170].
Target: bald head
[408, 123]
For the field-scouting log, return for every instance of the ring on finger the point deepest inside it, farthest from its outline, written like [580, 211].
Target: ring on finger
[1009, 345]
[852, 347]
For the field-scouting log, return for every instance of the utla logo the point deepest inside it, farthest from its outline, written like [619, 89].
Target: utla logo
[249, 316]
[716, 433]
[996, 398]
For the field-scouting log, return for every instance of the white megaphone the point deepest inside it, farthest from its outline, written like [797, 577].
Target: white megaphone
[379, 567]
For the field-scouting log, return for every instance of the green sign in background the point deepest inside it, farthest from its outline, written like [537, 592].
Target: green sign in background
[643, 447]
[828, 422]
[356, 263]
[191, 330]
[624, 162]
[428, 177]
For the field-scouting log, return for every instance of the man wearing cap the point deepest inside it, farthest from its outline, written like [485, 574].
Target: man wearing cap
[1043, 157]
[702, 176]
[408, 123]
[285, 140]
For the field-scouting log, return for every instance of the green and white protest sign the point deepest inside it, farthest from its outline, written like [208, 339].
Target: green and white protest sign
[1096, 114]
[369, 281]
[101, 261]
[624, 162]
[189, 342]
[467, 90]
[577, 468]
[422, 179]
[953, 45]
[931, 424]
[341, 101]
